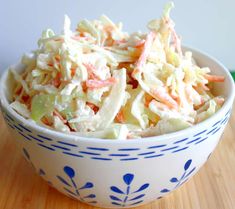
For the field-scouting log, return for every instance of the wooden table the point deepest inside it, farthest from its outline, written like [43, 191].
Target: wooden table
[213, 187]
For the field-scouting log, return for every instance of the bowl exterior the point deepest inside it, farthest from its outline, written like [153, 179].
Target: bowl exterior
[115, 175]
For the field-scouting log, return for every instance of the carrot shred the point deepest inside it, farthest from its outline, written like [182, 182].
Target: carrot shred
[84, 86]
[93, 107]
[139, 43]
[50, 64]
[90, 70]
[25, 99]
[57, 58]
[96, 84]
[73, 71]
[57, 80]
[120, 118]
[18, 92]
[214, 78]
[79, 38]
[147, 46]
[56, 113]
[134, 83]
[164, 97]
[148, 98]
[46, 121]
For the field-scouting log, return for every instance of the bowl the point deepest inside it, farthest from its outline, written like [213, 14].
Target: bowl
[119, 173]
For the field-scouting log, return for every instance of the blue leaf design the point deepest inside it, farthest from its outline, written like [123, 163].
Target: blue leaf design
[190, 172]
[70, 192]
[187, 164]
[143, 187]
[127, 178]
[135, 203]
[63, 181]
[69, 171]
[173, 180]
[165, 190]
[137, 197]
[116, 203]
[90, 196]
[117, 190]
[87, 185]
[115, 198]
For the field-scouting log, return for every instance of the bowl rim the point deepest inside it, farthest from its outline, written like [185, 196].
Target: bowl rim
[75, 138]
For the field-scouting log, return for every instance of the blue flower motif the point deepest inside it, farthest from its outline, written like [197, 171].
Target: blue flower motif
[73, 190]
[179, 181]
[125, 196]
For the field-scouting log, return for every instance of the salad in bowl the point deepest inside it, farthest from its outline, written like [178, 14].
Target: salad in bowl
[99, 81]
[78, 88]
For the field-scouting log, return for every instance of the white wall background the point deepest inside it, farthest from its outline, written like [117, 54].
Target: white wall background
[205, 24]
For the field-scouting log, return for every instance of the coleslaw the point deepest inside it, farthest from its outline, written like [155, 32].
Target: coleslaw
[99, 81]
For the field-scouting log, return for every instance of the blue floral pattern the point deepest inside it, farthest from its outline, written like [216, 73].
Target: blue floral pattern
[72, 188]
[184, 177]
[127, 196]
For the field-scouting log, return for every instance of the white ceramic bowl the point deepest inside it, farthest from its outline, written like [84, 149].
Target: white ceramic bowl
[114, 174]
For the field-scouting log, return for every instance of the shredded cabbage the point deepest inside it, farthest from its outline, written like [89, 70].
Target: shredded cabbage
[99, 81]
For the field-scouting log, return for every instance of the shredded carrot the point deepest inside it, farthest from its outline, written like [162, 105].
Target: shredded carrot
[119, 41]
[161, 94]
[50, 64]
[56, 113]
[69, 126]
[93, 107]
[147, 46]
[174, 95]
[120, 118]
[148, 98]
[139, 43]
[18, 91]
[205, 87]
[84, 86]
[57, 80]
[25, 99]
[96, 84]
[151, 123]
[214, 78]
[57, 58]
[134, 83]
[90, 70]
[79, 38]
[73, 71]
[144, 54]
[46, 121]
[176, 40]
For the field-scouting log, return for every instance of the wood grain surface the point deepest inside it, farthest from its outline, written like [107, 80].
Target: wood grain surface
[213, 187]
